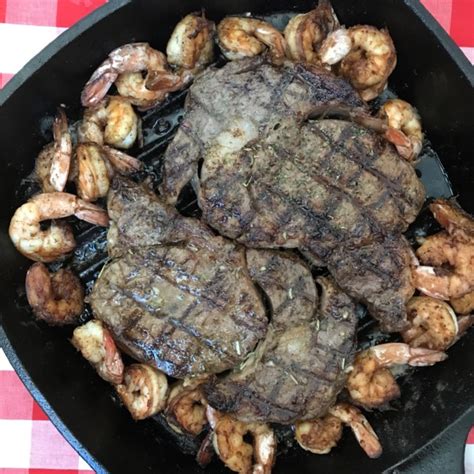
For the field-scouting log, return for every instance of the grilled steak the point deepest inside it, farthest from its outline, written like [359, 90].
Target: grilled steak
[175, 295]
[252, 90]
[298, 369]
[272, 178]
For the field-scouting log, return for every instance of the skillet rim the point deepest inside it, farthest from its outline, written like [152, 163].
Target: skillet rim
[441, 37]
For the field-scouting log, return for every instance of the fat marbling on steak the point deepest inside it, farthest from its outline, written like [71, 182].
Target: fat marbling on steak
[273, 177]
[174, 295]
[297, 371]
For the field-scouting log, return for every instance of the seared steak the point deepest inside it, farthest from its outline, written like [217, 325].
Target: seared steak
[249, 89]
[298, 369]
[175, 295]
[272, 178]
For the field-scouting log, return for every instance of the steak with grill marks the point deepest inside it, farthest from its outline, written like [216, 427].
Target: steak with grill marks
[175, 295]
[273, 178]
[297, 371]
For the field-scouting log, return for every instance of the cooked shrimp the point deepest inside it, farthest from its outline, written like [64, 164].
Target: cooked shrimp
[305, 33]
[96, 165]
[133, 58]
[365, 435]
[234, 451]
[370, 382]
[95, 343]
[463, 304]
[57, 298]
[433, 324]
[370, 61]
[186, 408]
[247, 37]
[453, 247]
[112, 121]
[43, 168]
[455, 220]
[400, 115]
[149, 92]
[143, 391]
[56, 241]
[335, 47]
[436, 280]
[319, 435]
[191, 45]
[93, 173]
[61, 161]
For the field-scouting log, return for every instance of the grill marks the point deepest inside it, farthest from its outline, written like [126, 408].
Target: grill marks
[181, 298]
[366, 161]
[297, 371]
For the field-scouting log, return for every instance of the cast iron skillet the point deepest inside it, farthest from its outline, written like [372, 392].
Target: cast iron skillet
[432, 74]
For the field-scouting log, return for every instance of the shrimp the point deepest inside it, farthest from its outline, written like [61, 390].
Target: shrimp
[186, 407]
[453, 247]
[43, 168]
[62, 156]
[455, 220]
[149, 92]
[365, 435]
[133, 58]
[144, 390]
[191, 44]
[400, 115]
[370, 61]
[241, 38]
[57, 241]
[112, 121]
[96, 167]
[319, 435]
[305, 33]
[433, 324]
[370, 382]
[57, 298]
[96, 345]
[93, 173]
[237, 454]
[463, 304]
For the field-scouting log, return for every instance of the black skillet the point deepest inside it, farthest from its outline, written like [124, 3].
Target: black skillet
[432, 74]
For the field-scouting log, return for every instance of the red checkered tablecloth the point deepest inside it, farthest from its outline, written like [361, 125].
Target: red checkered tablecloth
[29, 443]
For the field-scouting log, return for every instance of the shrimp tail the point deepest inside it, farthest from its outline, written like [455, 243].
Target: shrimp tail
[98, 85]
[402, 143]
[62, 155]
[452, 217]
[125, 164]
[113, 361]
[91, 213]
[206, 451]
[420, 357]
[163, 81]
[393, 353]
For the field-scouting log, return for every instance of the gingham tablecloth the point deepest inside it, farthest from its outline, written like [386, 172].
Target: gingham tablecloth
[29, 443]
